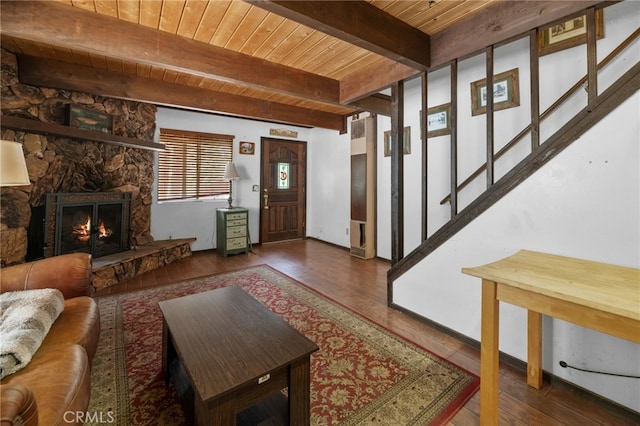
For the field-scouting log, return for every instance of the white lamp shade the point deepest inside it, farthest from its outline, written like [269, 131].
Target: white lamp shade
[230, 172]
[13, 168]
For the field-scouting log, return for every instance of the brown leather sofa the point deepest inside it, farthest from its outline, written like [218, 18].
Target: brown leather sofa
[55, 386]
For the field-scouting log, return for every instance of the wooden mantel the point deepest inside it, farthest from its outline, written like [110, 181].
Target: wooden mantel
[36, 126]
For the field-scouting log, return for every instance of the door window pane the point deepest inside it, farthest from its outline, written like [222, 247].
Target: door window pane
[283, 175]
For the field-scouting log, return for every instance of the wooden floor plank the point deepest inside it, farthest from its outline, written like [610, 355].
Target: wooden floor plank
[361, 285]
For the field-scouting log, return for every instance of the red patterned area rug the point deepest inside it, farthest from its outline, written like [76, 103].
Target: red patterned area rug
[362, 374]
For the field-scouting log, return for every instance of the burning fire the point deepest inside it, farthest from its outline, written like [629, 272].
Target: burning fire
[83, 230]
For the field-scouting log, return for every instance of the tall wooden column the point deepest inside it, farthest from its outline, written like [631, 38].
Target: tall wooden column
[397, 172]
[363, 187]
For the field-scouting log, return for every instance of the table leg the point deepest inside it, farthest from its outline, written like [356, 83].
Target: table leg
[534, 349]
[168, 351]
[221, 412]
[489, 356]
[300, 392]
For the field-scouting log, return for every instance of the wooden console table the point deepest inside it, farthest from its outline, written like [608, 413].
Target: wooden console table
[596, 295]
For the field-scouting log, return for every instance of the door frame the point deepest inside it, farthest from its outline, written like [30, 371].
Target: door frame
[262, 183]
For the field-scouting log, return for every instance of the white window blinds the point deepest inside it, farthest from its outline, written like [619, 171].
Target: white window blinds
[192, 165]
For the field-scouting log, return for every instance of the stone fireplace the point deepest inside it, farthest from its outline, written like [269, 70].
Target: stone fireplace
[59, 165]
[66, 172]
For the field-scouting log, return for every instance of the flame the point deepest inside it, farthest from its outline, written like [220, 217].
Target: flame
[104, 232]
[83, 230]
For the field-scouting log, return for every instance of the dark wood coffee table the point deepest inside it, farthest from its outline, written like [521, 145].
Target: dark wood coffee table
[235, 353]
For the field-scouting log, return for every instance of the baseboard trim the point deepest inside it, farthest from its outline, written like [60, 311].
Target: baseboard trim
[378, 258]
[514, 362]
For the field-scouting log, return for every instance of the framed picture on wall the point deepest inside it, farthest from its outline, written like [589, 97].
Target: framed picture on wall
[247, 148]
[406, 142]
[88, 119]
[506, 93]
[566, 34]
[438, 120]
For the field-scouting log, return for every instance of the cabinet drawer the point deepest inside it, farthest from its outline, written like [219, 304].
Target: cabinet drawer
[236, 231]
[237, 216]
[237, 222]
[236, 243]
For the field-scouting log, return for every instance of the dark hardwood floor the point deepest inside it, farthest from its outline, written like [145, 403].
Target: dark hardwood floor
[361, 285]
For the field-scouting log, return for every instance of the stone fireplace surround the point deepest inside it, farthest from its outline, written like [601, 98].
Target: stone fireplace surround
[58, 164]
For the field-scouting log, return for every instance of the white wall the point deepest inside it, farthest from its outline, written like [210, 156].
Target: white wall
[188, 219]
[328, 185]
[582, 204]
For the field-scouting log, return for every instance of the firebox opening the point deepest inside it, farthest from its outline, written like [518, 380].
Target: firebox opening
[96, 223]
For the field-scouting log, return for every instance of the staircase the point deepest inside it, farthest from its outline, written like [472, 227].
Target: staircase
[598, 107]
[583, 202]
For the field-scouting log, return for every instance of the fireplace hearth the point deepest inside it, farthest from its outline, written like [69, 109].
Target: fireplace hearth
[95, 223]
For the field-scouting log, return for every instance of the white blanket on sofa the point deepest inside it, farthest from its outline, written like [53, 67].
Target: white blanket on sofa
[25, 319]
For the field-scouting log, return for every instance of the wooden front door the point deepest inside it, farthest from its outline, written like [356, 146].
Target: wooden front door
[283, 202]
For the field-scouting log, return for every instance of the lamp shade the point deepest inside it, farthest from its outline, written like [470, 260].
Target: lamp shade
[13, 168]
[230, 172]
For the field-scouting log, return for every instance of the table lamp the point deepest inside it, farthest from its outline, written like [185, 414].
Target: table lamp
[13, 168]
[230, 174]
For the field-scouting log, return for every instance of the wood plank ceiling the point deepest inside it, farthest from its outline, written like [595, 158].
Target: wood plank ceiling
[306, 63]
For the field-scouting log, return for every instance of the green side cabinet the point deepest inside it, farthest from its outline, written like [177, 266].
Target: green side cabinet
[232, 229]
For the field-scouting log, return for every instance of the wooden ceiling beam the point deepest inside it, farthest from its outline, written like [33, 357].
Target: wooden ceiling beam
[62, 75]
[378, 103]
[70, 27]
[498, 22]
[368, 81]
[358, 23]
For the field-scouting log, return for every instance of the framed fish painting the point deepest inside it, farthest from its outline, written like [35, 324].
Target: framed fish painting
[88, 119]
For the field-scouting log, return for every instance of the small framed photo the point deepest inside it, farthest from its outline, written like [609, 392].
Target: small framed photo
[284, 133]
[439, 120]
[506, 92]
[566, 34]
[88, 119]
[406, 142]
[247, 148]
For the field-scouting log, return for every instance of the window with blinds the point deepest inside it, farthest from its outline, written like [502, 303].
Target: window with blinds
[192, 164]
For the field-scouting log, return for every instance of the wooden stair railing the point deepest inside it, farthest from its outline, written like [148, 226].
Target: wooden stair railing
[626, 43]
[627, 85]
